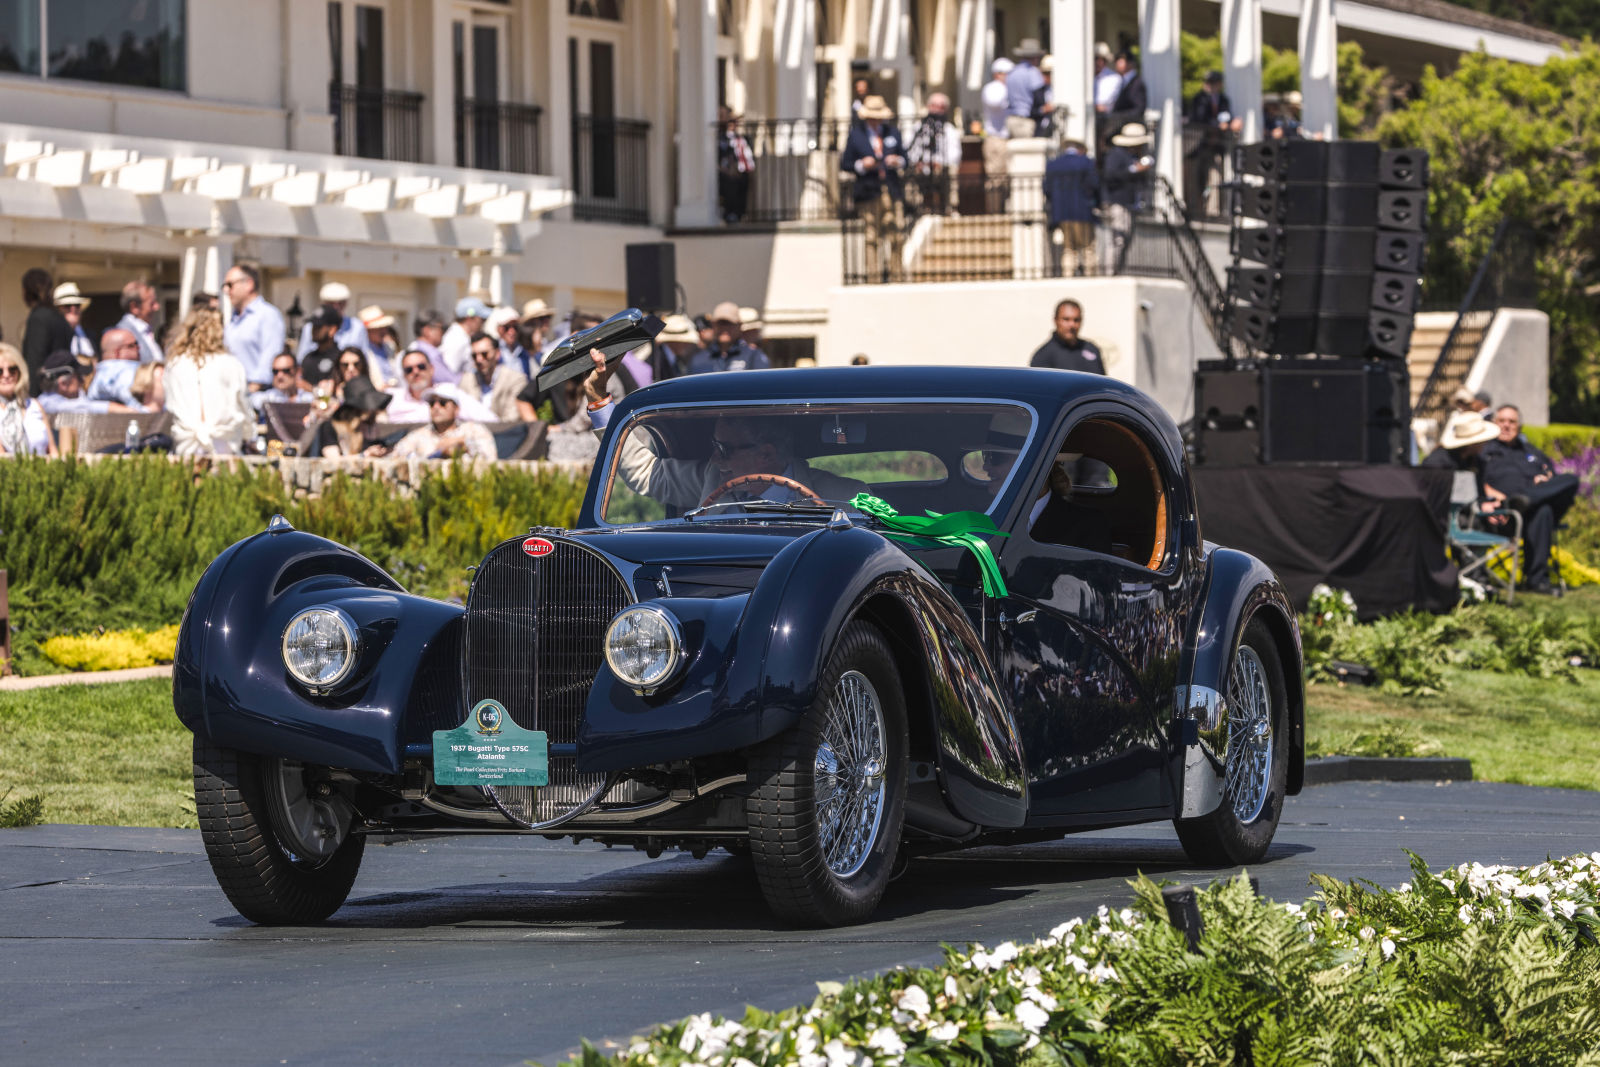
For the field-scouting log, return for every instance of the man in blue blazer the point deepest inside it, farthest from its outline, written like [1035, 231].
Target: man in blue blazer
[874, 155]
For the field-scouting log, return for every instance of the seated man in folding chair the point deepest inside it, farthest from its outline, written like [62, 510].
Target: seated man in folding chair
[1482, 529]
[1529, 482]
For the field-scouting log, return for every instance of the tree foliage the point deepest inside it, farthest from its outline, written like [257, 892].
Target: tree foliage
[1511, 141]
[1575, 18]
[1365, 93]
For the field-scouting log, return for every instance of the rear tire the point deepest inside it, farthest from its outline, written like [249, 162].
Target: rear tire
[1242, 827]
[829, 801]
[245, 841]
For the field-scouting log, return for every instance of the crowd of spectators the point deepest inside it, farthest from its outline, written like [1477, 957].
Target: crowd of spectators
[239, 381]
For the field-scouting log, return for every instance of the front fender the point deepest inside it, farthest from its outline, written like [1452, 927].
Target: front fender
[757, 659]
[1238, 588]
[229, 683]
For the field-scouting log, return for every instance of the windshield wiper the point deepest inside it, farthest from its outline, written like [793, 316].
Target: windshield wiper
[765, 505]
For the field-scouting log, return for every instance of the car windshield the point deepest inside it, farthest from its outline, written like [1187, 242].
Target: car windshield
[686, 463]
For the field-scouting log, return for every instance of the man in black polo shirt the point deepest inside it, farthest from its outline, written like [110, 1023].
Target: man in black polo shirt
[1066, 350]
[1532, 485]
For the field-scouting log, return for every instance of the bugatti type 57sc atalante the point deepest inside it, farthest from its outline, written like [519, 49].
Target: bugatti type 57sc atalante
[824, 618]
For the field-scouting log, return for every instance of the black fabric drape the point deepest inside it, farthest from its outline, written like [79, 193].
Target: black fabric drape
[1378, 532]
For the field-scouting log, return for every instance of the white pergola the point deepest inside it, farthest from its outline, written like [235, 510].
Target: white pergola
[207, 197]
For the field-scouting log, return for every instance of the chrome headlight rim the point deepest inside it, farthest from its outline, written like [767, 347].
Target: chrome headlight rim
[351, 633]
[675, 659]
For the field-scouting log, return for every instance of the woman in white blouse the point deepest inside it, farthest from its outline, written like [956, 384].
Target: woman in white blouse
[22, 424]
[206, 390]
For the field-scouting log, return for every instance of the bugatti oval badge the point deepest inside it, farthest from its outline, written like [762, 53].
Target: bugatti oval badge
[537, 546]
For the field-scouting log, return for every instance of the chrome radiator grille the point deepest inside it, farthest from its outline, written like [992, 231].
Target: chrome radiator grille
[533, 642]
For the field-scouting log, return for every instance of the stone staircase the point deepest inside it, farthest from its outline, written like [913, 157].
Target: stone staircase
[1428, 336]
[964, 248]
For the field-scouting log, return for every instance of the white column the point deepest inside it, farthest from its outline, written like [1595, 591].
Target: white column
[1030, 242]
[440, 104]
[697, 113]
[1072, 45]
[1241, 63]
[205, 260]
[794, 46]
[494, 276]
[1319, 68]
[889, 44]
[1163, 78]
[974, 53]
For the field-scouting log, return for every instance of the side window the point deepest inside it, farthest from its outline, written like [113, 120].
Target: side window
[1105, 493]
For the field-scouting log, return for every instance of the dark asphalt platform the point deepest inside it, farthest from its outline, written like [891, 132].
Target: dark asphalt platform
[117, 946]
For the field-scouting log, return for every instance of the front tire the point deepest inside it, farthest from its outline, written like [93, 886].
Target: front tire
[252, 811]
[829, 800]
[1255, 759]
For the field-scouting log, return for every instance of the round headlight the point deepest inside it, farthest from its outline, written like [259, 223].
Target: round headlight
[319, 647]
[643, 647]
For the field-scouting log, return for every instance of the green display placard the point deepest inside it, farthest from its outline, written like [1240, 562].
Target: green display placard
[490, 749]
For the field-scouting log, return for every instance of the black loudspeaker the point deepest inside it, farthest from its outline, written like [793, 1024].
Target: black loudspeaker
[1283, 161]
[1400, 251]
[1341, 204]
[1227, 415]
[652, 276]
[1403, 168]
[1302, 411]
[1353, 161]
[1388, 334]
[1395, 292]
[1260, 244]
[1405, 210]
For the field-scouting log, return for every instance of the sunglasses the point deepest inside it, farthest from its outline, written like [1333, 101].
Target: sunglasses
[282, 370]
[484, 353]
[10, 372]
[415, 368]
[724, 449]
[353, 364]
[439, 402]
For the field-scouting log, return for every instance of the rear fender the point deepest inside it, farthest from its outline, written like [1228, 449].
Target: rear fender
[229, 682]
[1238, 589]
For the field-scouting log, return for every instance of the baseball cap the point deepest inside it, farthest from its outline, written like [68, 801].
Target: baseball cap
[470, 307]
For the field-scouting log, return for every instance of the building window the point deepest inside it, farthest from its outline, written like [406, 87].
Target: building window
[19, 38]
[137, 43]
[610, 10]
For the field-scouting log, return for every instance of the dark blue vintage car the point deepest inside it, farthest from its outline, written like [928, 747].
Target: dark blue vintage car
[826, 618]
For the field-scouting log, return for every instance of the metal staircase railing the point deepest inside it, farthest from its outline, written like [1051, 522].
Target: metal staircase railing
[1430, 399]
[1209, 294]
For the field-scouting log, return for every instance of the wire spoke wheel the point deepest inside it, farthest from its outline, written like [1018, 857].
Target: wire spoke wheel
[1249, 753]
[849, 774]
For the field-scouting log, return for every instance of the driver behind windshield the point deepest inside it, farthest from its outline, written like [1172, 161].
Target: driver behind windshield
[751, 458]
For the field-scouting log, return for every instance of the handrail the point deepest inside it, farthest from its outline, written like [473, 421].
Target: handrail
[1208, 290]
[1430, 388]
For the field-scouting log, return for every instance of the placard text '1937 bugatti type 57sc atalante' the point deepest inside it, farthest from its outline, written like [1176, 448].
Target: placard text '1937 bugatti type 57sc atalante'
[828, 618]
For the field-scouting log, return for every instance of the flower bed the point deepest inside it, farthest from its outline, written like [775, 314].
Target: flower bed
[1476, 963]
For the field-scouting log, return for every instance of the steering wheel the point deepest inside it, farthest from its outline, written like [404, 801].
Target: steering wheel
[767, 479]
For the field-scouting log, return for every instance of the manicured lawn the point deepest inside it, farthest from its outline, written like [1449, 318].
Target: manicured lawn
[1532, 731]
[111, 754]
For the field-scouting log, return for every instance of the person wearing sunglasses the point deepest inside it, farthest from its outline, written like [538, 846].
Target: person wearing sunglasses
[497, 384]
[446, 436]
[285, 387]
[254, 332]
[411, 400]
[23, 428]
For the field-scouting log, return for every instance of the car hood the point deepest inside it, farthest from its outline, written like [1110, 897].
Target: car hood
[735, 544]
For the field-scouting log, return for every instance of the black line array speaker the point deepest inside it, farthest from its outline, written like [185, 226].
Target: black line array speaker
[1328, 243]
[1302, 411]
[652, 276]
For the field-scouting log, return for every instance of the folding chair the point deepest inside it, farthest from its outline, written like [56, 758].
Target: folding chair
[1476, 549]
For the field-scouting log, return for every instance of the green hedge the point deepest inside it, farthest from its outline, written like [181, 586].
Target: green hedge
[121, 544]
[1562, 438]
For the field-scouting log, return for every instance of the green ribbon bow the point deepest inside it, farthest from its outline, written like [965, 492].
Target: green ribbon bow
[964, 529]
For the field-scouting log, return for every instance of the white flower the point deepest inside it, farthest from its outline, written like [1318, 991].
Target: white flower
[1078, 963]
[951, 990]
[839, 1056]
[1031, 1016]
[1464, 913]
[1101, 972]
[1040, 997]
[913, 999]
[1388, 947]
[1366, 932]
[1568, 908]
[805, 1039]
[1065, 928]
[945, 1031]
[1005, 952]
[885, 1040]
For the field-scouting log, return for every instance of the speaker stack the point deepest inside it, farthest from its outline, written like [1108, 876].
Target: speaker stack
[1327, 244]
[1302, 411]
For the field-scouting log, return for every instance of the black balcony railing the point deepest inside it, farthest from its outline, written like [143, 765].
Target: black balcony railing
[611, 169]
[491, 135]
[376, 123]
[956, 228]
